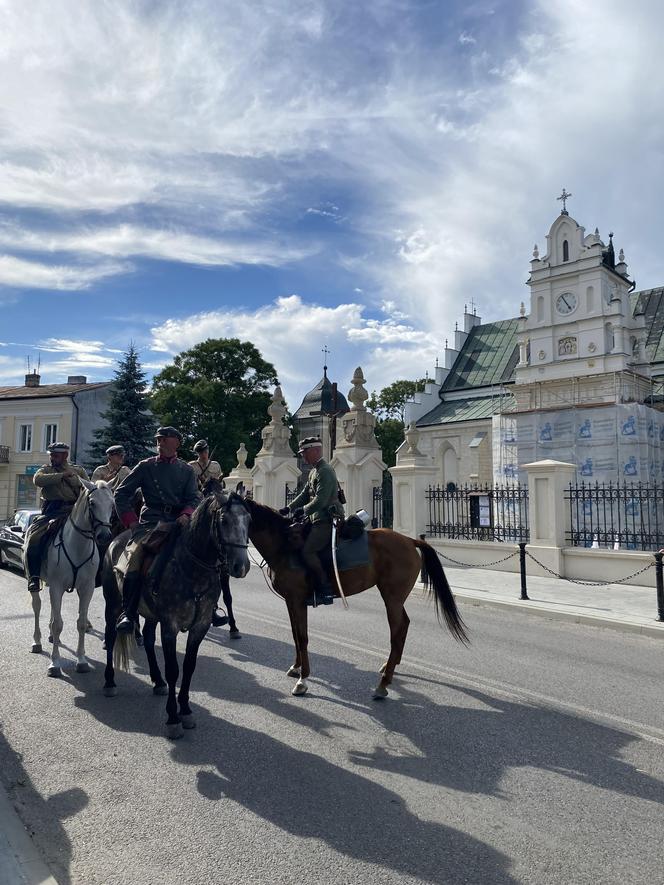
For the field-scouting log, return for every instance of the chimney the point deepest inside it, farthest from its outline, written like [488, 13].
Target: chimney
[32, 380]
[77, 379]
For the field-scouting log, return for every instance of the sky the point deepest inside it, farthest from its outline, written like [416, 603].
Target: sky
[309, 173]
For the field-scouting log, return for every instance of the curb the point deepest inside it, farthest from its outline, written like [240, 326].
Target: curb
[20, 861]
[549, 610]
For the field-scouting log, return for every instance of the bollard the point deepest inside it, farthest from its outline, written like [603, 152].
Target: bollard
[423, 573]
[522, 568]
[659, 577]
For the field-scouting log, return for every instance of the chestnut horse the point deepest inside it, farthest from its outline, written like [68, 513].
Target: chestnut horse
[394, 567]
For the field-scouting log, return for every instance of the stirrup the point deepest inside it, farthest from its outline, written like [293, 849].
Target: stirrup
[125, 625]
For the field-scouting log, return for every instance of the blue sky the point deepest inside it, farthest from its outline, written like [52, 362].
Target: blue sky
[302, 173]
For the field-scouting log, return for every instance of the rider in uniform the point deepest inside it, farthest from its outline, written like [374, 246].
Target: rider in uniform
[114, 471]
[319, 501]
[170, 494]
[203, 467]
[60, 484]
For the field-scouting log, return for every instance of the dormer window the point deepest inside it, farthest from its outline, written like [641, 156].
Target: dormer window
[565, 250]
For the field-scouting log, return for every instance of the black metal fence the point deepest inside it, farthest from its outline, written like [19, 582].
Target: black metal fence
[614, 515]
[291, 494]
[480, 513]
[383, 504]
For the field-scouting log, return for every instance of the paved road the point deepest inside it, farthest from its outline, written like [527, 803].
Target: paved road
[533, 757]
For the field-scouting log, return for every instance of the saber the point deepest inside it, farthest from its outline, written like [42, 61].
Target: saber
[334, 563]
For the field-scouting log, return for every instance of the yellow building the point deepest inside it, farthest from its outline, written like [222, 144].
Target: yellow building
[33, 416]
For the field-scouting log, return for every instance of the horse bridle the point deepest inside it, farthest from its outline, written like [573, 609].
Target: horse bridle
[90, 533]
[219, 542]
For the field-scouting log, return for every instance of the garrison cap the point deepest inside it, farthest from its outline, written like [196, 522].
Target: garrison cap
[309, 442]
[201, 445]
[57, 447]
[168, 431]
[115, 450]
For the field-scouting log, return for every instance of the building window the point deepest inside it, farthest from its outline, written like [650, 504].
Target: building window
[26, 493]
[565, 250]
[24, 438]
[50, 435]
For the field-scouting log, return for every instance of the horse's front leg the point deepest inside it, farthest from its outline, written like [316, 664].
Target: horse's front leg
[169, 646]
[298, 611]
[56, 593]
[159, 687]
[228, 605]
[36, 636]
[111, 613]
[84, 597]
[194, 639]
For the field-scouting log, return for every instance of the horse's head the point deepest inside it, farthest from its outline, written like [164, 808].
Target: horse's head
[233, 533]
[100, 505]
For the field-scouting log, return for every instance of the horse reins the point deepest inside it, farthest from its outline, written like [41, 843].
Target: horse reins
[88, 534]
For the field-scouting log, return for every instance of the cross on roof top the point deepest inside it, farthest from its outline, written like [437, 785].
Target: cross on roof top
[564, 197]
[327, 353]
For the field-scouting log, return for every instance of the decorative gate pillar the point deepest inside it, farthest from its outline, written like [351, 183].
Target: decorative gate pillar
[548, 513]
[357, 457]
[275, 466]
[411, 477]
[241, 473]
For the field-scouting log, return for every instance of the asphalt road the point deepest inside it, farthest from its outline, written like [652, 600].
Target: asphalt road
[535, 756]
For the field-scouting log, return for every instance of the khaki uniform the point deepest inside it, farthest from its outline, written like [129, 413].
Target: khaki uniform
[212, 470]
[320, 501]
[111, 475]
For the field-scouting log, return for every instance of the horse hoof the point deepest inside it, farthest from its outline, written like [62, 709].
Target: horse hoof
[300, 687]
[379, 692]
[294, 672]
[175, 731]
[235, 634]
[110, 691]
[54, 672]
[188, 720]
[36, 648]
[83, 667]
[160, 690]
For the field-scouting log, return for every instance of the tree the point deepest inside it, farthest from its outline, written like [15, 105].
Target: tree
[388, 406]
[391, 401]
[220, 391]
[128, 418]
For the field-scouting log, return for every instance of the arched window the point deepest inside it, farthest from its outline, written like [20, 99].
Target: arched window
[450, 465]
[590, 298]
[610, 337]
[540, 308]
[565, 250]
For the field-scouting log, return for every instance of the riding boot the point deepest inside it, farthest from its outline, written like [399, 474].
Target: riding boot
[33, 567]
[131, 594]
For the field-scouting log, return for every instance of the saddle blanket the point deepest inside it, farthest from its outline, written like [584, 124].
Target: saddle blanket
[351, 554]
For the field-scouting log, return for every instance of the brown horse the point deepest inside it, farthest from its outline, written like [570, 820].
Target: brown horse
[394, 567]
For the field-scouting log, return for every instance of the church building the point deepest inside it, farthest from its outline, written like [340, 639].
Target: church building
[578, 376]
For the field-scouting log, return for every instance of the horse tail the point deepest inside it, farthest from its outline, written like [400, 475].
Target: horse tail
[124, 644]
[435, 582]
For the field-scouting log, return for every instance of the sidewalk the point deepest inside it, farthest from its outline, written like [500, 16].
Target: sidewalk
[616, 606]
[20, 861]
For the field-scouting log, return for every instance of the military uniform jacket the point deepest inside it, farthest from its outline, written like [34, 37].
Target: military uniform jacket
[55, 486]
[320, 494]
[212, 470]
[169, 488]
[110, 475]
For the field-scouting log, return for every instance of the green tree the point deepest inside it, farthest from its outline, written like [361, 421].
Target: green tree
[219, 391]
[128, 418]
[388, 406]
[391, 401]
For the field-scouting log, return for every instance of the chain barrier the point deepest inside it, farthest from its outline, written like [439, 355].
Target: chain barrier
[472, 565]
[589, 583]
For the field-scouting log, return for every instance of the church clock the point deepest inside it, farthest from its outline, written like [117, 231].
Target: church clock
[566, 303]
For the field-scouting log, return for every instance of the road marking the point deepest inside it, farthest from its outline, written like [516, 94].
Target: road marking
[646, 732]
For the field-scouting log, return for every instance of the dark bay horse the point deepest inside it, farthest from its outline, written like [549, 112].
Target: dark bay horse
[394, 567]
[216, 537]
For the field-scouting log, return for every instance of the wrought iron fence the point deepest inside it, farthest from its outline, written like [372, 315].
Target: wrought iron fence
[291, 494]
[629, 515]
[383, 504]
[480, 513]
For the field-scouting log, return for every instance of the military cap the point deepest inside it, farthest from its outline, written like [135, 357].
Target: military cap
[57, 447]
[115, 450]
[168, 431]
[201, 445]
[309, 442]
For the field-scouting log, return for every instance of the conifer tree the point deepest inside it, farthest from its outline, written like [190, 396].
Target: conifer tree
[129, 421]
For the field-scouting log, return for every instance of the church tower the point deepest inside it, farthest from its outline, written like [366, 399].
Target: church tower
[580, 342]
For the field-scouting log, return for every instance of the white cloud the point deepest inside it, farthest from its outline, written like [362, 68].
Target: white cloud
[17, 273]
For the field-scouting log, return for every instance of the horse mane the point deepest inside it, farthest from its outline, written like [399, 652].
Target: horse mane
[198, 530]
[264, 518]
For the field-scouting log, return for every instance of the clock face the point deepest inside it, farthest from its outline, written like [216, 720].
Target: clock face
[566, 303]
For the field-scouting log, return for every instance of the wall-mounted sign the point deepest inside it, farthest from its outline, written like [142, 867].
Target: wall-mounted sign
[31, 469]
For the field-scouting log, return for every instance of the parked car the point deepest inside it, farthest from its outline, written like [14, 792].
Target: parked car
[11, 538]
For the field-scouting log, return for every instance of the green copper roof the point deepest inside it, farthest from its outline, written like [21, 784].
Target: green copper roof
[488, 357]
[650, 302]
[467, 410]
